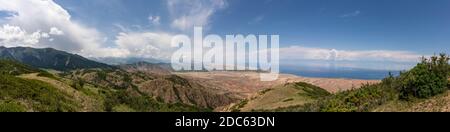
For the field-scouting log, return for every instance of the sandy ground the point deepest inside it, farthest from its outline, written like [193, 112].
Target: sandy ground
[246, 84]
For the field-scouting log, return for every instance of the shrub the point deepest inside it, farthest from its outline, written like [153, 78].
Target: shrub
[427, 79]
[78, 83]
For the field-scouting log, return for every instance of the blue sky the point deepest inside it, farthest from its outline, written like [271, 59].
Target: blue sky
[376, 28]
[413, 25]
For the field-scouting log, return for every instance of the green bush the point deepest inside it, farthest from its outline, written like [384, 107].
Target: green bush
[427, 79]
[78, 83]
[11, 106]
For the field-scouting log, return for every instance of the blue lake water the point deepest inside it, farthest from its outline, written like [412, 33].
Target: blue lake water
[349, 73]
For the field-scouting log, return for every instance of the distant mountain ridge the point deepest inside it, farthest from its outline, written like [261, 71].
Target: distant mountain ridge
[125, 60]
[152, 68]
[49, 58]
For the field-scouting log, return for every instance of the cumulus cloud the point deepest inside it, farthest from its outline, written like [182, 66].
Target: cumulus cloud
[55, 31]
[16, 36]
[145, 44]
[189, 13]
[307, 53]
[40, 15]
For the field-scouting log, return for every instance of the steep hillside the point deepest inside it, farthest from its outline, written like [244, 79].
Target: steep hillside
[18, 94]
[49, 58]
[28, 89]
[170, 89]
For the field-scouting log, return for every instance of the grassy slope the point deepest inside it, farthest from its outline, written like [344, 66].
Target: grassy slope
[283, 96]
[88, 101]
[19, 94]
[10, 67]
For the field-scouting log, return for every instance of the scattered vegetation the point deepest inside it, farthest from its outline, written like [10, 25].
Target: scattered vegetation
[11, 106]
[237, 107]
[14, 68]
[311, 90]
[40, 95]
[429, 78]
[47, 75]
[122, 99]
[265, 91]
[78, 83]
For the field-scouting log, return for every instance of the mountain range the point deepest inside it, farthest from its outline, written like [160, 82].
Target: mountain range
[49, 58]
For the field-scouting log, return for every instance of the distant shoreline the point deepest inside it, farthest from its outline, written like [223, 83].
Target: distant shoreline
[288, 73]
[248, 82]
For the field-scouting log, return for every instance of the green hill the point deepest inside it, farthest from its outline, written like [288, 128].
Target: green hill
[40, 91]
[291, 94]
[49, 58]
[17, 94]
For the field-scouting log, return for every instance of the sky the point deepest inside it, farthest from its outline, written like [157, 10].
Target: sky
[391, 34]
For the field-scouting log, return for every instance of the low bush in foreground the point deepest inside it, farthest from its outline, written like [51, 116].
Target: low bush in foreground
[427, 79]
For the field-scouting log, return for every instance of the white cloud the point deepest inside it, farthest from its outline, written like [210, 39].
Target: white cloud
[55, 31]
[16, 36]
[46, 15]
[351, 14]
[145, 44]
[189, 13]
[306, 53]
[154, 20]
[365, 59]
[52, 26]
